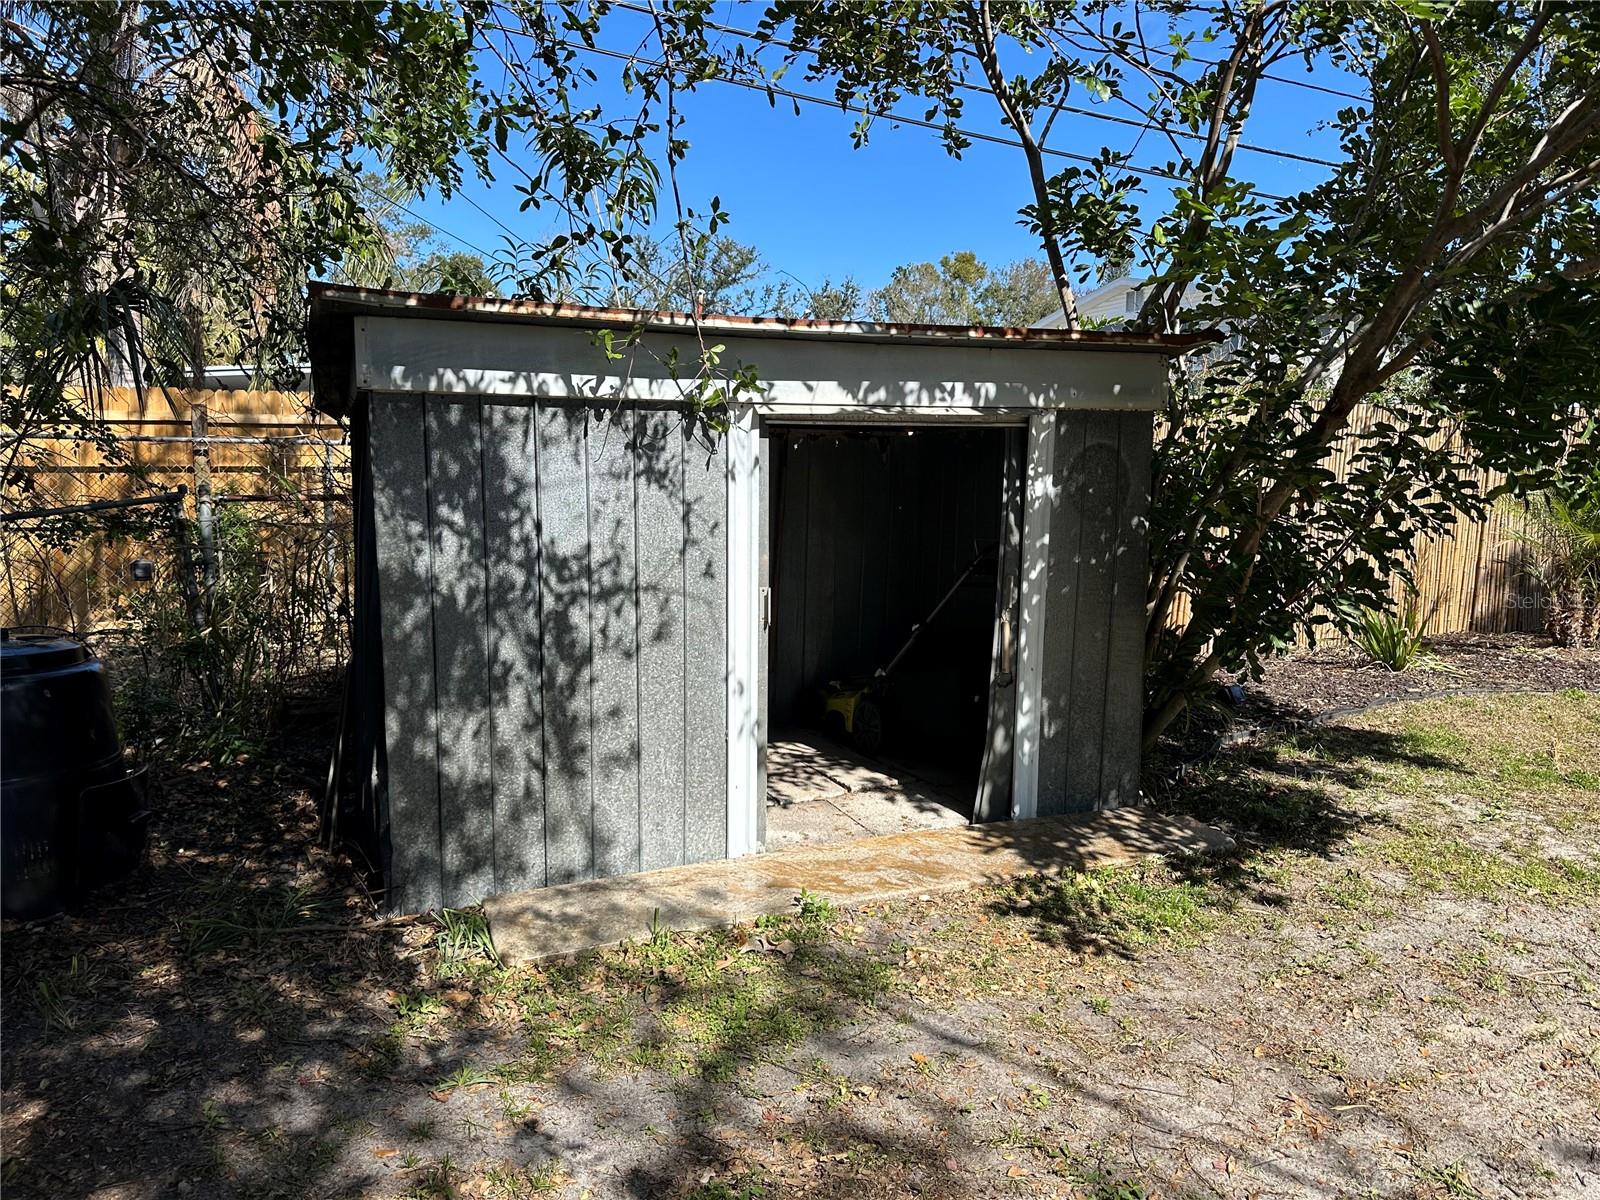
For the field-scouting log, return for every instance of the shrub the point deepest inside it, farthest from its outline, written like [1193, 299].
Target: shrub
[208, 684]
[1393, 639]
[1560, 540]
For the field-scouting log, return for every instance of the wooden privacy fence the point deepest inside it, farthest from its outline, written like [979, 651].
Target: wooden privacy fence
[262, 454]
[1473, 580]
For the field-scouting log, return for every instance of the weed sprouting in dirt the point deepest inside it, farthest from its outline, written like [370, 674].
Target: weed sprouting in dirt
[1448, 1179]
[465, 1076]
[512, 1182]
[745, 1187]
[463, 942]
[56, 996]
[234, 916]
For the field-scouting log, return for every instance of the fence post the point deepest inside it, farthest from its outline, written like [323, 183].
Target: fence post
[204, 516]
[330, 557]
[180, 539]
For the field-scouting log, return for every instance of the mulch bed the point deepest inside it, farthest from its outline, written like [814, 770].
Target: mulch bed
[1311, 685]
[1339, 679]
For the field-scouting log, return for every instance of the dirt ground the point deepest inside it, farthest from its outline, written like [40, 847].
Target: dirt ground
[1392, 990]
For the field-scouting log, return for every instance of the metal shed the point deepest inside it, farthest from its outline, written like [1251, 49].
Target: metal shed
[564, 583]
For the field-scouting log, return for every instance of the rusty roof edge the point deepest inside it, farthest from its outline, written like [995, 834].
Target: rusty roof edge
[330, 298]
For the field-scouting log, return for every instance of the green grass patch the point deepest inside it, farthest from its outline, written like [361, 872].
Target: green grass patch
[735, 1010]
[1115, 907]
[704, 1004]
[1543, 750]
[1441, 863]
[1349, 889]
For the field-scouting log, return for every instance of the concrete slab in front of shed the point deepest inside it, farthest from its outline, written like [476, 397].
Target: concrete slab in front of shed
[554, 921]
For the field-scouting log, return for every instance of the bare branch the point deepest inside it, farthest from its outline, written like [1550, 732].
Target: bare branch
[1564, 135]
[1491, 98]
[1229, 111]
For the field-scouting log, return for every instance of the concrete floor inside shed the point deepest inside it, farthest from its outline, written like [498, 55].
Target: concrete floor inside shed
[821, 791]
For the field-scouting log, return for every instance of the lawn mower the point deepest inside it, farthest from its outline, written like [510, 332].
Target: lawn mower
[854, 706]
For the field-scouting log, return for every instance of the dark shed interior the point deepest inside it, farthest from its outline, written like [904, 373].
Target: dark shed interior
[870, 529]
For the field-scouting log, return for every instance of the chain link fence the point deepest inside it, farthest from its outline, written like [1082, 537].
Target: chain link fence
[204, 551]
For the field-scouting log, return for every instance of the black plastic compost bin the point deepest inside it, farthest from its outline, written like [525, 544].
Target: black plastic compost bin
[72, 814]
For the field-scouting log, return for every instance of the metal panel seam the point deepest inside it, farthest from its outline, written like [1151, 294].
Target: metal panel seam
[488, 646]
[1118, 510]
[536, 415]
[638, 654]
[588, 578]
[1077, 619]
[433, 643]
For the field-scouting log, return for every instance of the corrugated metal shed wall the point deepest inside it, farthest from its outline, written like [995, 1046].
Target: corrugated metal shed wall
[553, 600]
[1091, 693]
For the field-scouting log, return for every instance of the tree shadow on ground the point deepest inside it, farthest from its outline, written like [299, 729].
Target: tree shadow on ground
[216, 995]
[234, 1020]
[1294, 790]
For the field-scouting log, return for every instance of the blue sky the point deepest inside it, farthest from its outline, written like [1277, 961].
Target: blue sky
[817, 208]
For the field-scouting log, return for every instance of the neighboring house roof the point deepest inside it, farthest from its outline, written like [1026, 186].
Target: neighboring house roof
[1108, 303]
[1110, 306]
[226, 377]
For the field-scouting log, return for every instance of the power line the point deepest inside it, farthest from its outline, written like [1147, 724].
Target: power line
[963, 85]
[512, 233]
[972, 134]
[1210, 62]
[433, 225]
[1283, 79]
[882, 114]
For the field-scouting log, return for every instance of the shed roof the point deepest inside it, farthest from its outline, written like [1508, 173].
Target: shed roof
[332, 348]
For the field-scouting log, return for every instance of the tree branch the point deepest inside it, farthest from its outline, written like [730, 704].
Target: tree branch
[1441, 99]
[1228, 115]
[1048, 231]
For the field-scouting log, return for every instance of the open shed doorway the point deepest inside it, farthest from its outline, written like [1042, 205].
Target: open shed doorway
[875, 531]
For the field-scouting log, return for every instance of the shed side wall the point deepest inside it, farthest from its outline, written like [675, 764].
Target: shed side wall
[1091, 678]
[553, 597]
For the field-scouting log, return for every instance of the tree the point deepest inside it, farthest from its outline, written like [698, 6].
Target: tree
[725, 276]
[174, 171]
[457, 272]
[407, 254]
[1466, 190]
[961, 290]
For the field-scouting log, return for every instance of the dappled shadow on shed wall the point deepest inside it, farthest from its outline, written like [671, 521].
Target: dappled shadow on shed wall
[552, 609]
[1091, 692]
